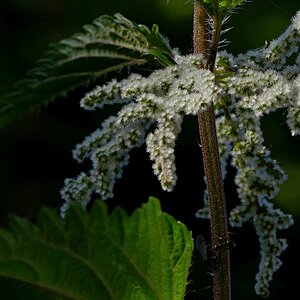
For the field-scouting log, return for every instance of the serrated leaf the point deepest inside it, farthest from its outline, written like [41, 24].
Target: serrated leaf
[220, 8]
[109, 44]
[99, 256]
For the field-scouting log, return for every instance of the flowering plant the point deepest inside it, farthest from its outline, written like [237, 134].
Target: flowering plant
[238, 90]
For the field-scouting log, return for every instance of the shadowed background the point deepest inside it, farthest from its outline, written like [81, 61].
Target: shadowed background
[35, 152]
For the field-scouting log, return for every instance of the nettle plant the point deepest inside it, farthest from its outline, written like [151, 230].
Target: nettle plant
[148, 255]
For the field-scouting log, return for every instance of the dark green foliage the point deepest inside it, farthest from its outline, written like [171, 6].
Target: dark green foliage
[97, 256]
[109, 44]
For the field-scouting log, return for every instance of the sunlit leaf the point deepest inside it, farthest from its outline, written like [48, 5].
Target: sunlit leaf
[99, 256]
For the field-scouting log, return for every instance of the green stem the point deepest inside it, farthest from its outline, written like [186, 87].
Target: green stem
[211, 159]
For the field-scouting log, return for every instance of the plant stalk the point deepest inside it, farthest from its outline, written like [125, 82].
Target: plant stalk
[211, 159]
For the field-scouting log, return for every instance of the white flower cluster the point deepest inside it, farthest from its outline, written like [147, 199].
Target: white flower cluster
[79, 189]
[103, 95]
[108, 148]
[161, 99]
[258, 178]
[276, 53]
[244, 89]
[160, 145]
[263, 81]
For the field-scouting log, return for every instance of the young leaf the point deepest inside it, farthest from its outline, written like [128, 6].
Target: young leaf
[109, 44]
[97, 256]
[220, 8]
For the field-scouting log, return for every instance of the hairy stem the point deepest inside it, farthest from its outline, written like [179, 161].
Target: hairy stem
[211, 159]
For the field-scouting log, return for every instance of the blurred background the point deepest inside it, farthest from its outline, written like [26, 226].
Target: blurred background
[35, 152]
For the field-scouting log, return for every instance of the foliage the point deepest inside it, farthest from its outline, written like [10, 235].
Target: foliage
[97, 256]
[109, 44]
[220, 8]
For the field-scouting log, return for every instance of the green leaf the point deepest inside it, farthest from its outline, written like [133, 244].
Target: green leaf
[109, 44]
[158, 45]
[220, 8]
[97, 256]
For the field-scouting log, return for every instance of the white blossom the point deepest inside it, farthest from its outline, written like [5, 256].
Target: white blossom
[101, 95]
[162, 98]
[243, 89]
[160, 145]
[79, 190]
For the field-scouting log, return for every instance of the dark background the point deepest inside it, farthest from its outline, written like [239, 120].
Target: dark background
[35, 152]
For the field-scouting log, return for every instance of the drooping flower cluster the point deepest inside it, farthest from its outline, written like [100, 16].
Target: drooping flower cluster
[250, 86]
[264, 81]
[161, 99]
